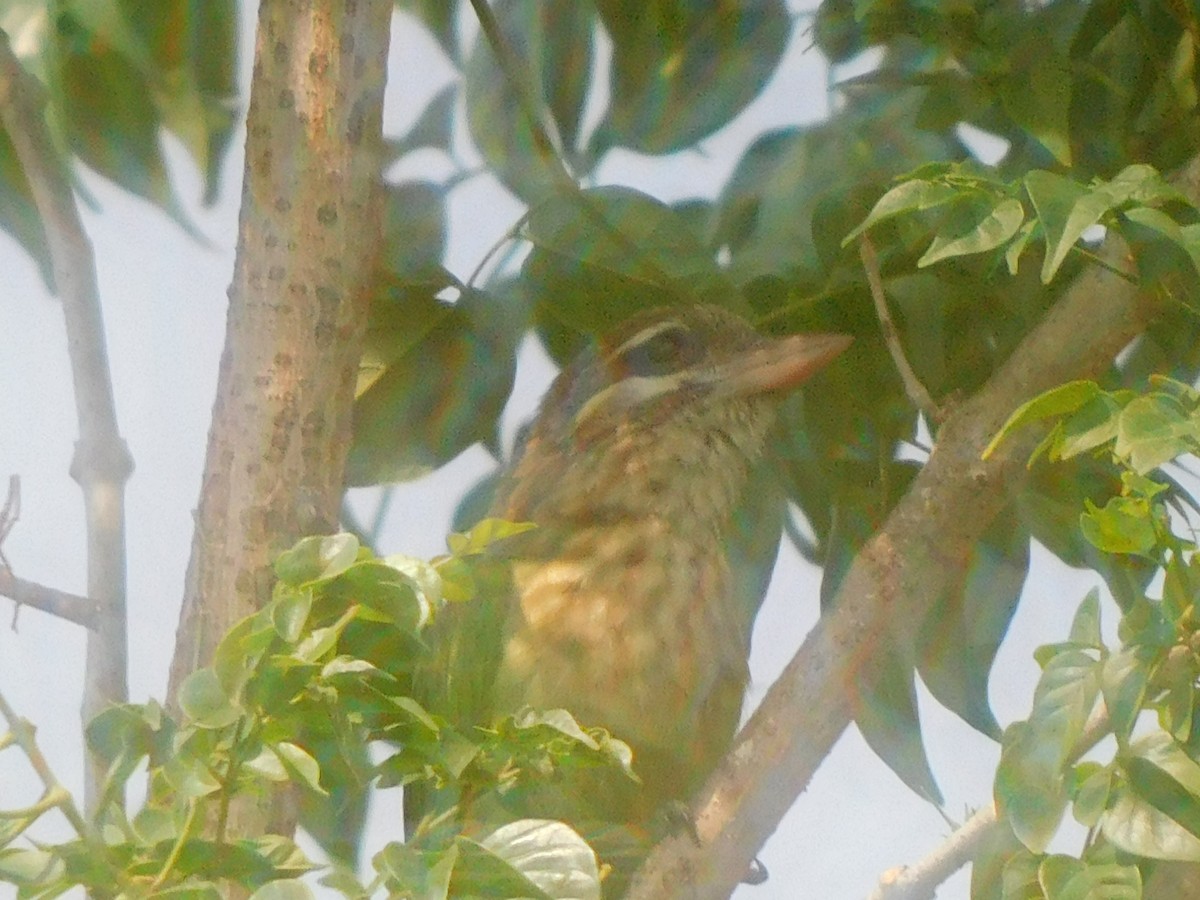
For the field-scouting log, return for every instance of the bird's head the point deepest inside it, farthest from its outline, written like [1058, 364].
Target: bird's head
[674, 390]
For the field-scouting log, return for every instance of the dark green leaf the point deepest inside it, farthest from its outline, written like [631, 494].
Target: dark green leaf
[704, 63]
[553, 43]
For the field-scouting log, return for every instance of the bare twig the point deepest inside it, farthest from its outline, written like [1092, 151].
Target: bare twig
[72, 607]
[102, 463]
[917, 395]
[9, 514]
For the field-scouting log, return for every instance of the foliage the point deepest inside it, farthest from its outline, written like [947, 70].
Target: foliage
[298, 694]
[1089, 107]
[1143, 804]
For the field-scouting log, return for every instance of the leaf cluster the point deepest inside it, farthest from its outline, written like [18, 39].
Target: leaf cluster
[313, 692]
[1141, 807]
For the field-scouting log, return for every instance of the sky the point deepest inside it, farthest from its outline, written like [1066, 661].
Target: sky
[164, 296]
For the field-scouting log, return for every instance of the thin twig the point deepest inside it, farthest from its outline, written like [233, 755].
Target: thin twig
[916, 392]
[72, 607]
[101, 464]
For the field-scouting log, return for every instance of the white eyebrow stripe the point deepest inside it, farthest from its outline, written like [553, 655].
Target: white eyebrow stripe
[630, 392]
[647, 333]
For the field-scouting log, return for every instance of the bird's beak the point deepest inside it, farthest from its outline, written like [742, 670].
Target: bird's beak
[778, 365]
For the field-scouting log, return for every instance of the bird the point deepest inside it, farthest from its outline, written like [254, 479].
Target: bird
[629, 603]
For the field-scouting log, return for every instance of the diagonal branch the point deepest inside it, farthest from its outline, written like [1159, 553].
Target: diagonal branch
[102, 463]
[80, 610]
[888, 590]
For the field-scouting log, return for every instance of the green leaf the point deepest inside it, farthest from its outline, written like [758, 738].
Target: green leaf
[704, 64]
[203, 700]
[190, 778]
[301, 767]
[1081, 881]
[1124, 679]
[484, 534]
[1135, 824]
[553, 45]
[1088, 427]
[908, 196]
[284, 889]
[1037, 94]
[605, 253]
[558, 719]
[317, 558]
[1085, 627]
[1152, 430]
[1029, 790]
[1123, 525]
[414, 228]
[1066, 210]
[997, 226]
[406, 423]
[551, 855]
[1091, 799]
[1059, 401]
[34, 867]
[418, 873]
[289, 611]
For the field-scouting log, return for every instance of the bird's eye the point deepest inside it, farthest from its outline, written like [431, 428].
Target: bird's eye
[662, 350]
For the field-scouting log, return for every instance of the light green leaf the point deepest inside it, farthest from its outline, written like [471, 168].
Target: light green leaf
[1085, 627]
[908, 196]
[1055, 402]
[1152, 430]
[1066, 210]
[485, 533]
[289, 611]
[284, 889]
[205, 703]
[1000, 224]
[317, 558]
[551, 855]
[1123, 525]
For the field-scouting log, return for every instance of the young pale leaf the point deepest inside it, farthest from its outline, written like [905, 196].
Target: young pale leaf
[906, 197]
[1066, 210]
[205, 703]
[996, 227]
[1085, 627]
[1029, 789]
[417, 873]
[484, 534]
[317, 558]
[549, 854]
[1090, 882]
[1059, 401]
[1136, 826]
[1124, 680]
[1152, 430]
[284, 889]
[1091, 798]
[289, 611]
[1012, 256]
[1123, 525]
[300, 765]
[1092, 425]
